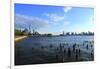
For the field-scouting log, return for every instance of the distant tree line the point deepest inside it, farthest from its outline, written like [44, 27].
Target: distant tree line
[21, 32]
[25, 31]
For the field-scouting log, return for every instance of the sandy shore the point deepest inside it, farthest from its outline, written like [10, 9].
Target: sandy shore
[17, 38]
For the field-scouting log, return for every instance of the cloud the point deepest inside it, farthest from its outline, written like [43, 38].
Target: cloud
[91, 20]
[55, 17]
[22, 21]
[66, 9]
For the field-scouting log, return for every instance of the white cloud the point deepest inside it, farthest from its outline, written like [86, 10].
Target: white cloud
[24, 21]
[66, 9]
[91, 20]
[55, 17]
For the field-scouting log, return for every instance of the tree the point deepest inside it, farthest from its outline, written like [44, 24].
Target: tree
[25, 31]
[18, 32]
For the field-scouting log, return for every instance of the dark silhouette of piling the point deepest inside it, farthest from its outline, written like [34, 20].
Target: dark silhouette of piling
[79, 51]
[42, 47]
[57, 57]
[51, 45]
[76, 56]
[91, 46]
[74, 45]
[60, 48]
[64, 52]
[32, 50]
[87, 46]
[92, 55]
[57, 49]
[69, 52]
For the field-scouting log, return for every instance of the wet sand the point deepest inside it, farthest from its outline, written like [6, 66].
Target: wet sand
[17, 38]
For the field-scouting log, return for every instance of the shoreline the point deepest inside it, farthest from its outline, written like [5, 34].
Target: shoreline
[19, 38]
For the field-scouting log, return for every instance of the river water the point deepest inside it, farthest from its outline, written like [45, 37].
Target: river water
[49, 45]
[56, 40]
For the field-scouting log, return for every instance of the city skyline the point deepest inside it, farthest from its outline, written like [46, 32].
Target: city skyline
[54, 19]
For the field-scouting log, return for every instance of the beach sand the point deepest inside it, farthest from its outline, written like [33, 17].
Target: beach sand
[17, 38]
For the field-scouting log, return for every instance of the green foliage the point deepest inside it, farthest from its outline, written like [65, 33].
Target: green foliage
[18, 32]
[21, 32]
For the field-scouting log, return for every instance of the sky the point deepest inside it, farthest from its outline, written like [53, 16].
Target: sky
[53, 19]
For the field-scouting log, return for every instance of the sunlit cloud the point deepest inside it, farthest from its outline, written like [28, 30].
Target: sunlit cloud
[26, 21]
[55, 17]
[66, 9]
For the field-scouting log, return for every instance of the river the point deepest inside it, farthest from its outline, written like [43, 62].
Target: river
[43, 49]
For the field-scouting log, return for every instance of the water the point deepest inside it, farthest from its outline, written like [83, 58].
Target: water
[57, 40]
[40, 45]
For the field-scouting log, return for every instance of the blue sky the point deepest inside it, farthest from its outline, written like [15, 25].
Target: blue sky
[54, 19]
